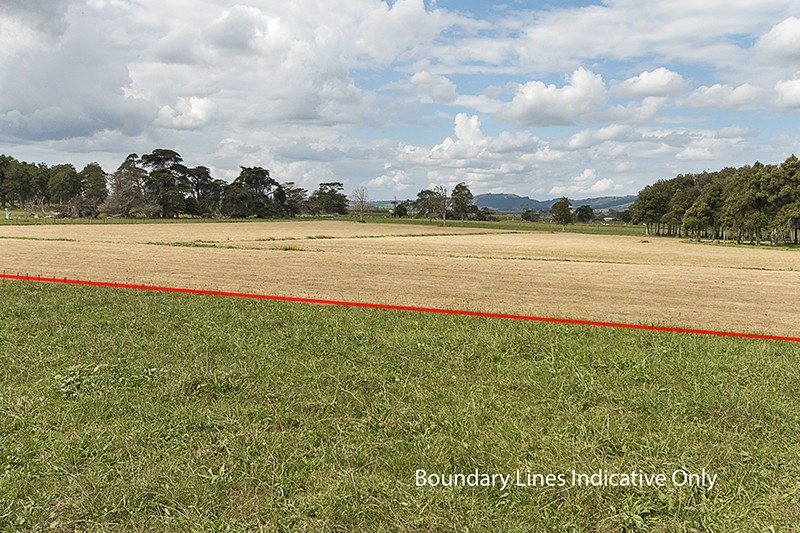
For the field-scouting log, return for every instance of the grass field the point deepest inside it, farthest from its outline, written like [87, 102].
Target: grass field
[145, 411]
[506, 223]
[594, 277]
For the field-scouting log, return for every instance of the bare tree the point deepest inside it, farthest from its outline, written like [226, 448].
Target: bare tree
[360, 199]
[441, 192]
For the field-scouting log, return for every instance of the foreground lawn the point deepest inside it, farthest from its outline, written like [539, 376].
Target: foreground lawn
[138, 411]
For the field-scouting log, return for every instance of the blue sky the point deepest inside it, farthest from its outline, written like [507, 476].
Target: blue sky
[536, 98]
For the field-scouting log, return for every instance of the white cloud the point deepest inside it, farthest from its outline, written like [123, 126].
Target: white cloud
[188, 113]
[480, 102]
[658, 82]
[787, 94]
[16, 38]
[538, 104]
[782, 41]
[735, 132]
[585, 183]
[237, 29]
[706, 145]
[394, 180]
[586, 138]
[724, 96]
[434, 88]
[468, 129]
[637, 112]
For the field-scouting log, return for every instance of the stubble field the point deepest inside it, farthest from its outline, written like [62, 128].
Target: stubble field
[643, 280]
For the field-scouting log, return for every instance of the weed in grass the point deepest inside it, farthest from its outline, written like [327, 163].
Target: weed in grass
[289, 248]
[191, 244]
[24, 238]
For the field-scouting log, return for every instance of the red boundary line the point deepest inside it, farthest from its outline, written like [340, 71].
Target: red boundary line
[398, 307]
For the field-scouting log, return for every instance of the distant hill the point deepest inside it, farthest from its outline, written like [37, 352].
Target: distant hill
[512, 203]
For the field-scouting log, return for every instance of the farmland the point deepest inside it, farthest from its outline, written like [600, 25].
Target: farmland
[133, 411]
[595, 277]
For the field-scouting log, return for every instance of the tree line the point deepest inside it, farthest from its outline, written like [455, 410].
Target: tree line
[748, 204]
[159, 185]
[435, 203]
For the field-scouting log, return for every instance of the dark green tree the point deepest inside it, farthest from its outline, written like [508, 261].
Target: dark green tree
[706, 211]
[328, 199]
[461, 200]
[20, 182]
[401, 210]
[296, 199]
[562, 212]
[651, 205]
[167, 183]
[254, 193]
[205, 193]
[584, 214]
[427, 205]
[64, 183]
[530, 215]
[5, 163]
[96, 181]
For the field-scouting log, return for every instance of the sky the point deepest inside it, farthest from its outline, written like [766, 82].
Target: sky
[544, 99]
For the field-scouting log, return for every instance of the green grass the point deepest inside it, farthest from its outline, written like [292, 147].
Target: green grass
[21, 238]
[614, 228]
[505, 223]
[139, 411]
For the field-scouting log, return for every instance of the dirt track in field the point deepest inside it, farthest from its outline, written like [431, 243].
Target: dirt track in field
[595, 277]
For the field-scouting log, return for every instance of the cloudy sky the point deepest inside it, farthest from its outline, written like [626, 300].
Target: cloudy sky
[543, 99]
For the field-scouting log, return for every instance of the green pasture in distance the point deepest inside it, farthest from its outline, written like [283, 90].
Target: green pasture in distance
[506, 222]
[128, 410]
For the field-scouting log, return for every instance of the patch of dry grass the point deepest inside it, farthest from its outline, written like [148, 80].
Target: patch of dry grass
[615, 278]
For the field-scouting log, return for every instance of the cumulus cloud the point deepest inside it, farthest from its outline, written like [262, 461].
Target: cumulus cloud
[434, 88]
[545, 105]
[468, 129]
[471, 155]
[586, 138]
[724, 96]
[45, 16]
[585, 183]
[658, 82]
[787, 94]
[782, 41]
[238, 29]
[711, 145]
[395, 180]
[188, 114]
[735, 132]
[72, 88]
[637, 112]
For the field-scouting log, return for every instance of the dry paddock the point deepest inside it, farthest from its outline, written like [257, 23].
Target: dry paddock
[594, 277]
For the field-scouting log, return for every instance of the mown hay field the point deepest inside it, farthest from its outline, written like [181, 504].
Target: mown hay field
[643, 280]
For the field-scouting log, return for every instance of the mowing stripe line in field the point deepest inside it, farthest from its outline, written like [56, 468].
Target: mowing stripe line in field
[399, 307]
